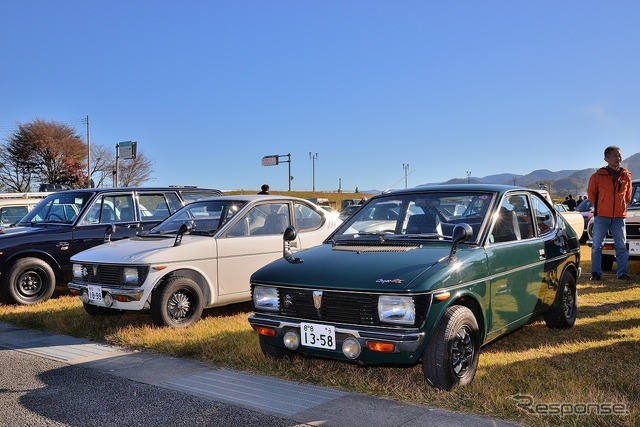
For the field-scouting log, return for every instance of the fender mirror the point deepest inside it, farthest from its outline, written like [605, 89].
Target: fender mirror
[184, 229]
[111, 228]
[290, 234]
[461, 233]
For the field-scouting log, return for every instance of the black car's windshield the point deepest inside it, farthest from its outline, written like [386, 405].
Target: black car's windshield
[421, 215]
[60, 208]
[204, 217]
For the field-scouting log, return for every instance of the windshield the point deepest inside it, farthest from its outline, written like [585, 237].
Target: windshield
[62, 208]
[204, 217]
[426, 215]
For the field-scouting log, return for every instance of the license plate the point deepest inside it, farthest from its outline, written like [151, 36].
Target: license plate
[319, 336]
[634, 247]
[95, 293]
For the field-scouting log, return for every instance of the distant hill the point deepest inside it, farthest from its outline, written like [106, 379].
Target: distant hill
[560, 183]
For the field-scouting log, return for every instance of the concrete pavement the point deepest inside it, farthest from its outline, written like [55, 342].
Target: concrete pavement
[294, 403]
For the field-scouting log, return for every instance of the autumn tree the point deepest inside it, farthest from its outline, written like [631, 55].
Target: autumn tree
[46, 152]
[134, 172]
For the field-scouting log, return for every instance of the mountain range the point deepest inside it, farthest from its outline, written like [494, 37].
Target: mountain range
[560, 183]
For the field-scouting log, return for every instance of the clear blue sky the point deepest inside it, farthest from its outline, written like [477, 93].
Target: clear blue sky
[208, 88]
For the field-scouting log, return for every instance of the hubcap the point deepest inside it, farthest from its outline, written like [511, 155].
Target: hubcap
[567, 301]
[179, 306]
[29, 283]
[462, 351]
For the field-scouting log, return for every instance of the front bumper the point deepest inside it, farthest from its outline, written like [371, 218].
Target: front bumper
[122, 298]
[407, 344]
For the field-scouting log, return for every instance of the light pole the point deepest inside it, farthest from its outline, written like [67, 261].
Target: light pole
[313, 158]
[468, 177]
[405, 167]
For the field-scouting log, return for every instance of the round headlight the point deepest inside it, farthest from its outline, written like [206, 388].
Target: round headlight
[351, 348]
[291, 340]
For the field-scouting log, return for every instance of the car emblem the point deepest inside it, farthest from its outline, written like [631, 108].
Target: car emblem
[398, 281]
[317, 299]
[288, 301]
[94, 269]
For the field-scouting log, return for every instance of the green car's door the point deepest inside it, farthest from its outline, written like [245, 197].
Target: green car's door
[516, 259]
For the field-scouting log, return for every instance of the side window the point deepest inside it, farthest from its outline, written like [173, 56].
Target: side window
[306, 217]
[505, 228]
[111, 208]
[521, 207]
[264, 219]
[158, 206]
[12, 214]
[545, 219]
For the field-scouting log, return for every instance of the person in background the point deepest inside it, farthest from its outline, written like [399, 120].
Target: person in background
[610, 191]
[571, 203]
[264, 189]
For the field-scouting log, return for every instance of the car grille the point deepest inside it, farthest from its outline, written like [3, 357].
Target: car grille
[356, 308]
[633, 231]
[109, 275]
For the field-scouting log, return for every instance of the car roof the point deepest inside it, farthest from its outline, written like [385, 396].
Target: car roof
[128, 189]
[261, 197]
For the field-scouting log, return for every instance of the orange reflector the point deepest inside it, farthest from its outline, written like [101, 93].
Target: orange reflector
[443, 296]
[608, 247]
[382, 347]
[121, 298]
[266, 331]
[159, 267]
[74, 292]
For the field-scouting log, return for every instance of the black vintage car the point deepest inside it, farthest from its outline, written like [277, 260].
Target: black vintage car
[35, 253]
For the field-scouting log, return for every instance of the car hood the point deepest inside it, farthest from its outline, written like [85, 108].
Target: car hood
[372, 268]
[149, 250]
[18, 231]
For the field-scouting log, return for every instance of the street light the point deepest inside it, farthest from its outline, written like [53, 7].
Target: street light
[468, 177]
[313, 158]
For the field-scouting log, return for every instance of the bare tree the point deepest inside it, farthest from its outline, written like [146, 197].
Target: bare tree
[135, 172]
[102, 164]
[48, 152]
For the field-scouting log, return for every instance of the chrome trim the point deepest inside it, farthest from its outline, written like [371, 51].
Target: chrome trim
[133, 294]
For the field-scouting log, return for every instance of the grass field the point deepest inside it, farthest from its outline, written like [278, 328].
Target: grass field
[592, 367]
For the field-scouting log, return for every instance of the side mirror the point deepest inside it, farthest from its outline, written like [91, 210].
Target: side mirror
[184, 229]
[461, 233]
[290, 234]
[111, 228]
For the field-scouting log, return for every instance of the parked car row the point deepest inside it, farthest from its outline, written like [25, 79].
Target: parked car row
[14, 206]
[426, 275]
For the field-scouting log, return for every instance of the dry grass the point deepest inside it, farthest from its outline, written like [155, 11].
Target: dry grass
[597, 361]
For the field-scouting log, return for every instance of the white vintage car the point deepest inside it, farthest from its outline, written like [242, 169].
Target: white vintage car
[201, 256]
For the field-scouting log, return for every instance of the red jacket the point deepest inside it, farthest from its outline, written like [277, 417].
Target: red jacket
[610, 199]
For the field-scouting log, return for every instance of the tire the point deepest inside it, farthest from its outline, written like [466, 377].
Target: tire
[607, 262]
[565, 306]
[95, 310]
[28, 281]
[273, 352]
[178, 303]
[451, 357]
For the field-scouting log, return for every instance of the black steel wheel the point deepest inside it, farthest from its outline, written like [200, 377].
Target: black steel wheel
[28, 281]
[178, 303]
[565, 306]
[451, 356]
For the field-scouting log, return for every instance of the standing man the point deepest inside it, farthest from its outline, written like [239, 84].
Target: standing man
[610, 191]
[264, 189]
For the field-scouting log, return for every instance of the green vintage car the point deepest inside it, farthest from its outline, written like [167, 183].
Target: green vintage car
[426, 274]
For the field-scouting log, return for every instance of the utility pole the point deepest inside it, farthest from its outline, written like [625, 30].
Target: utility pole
[313, 158]
[405, 167]
[88, 155]
[468, 177]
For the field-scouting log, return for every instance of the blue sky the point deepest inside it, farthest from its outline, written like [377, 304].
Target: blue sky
[207, 88]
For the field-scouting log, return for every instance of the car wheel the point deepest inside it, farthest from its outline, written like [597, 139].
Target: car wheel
[607, 262]
[565, 307]
[28, 281]
[95, 310]
[274, 352]
[178, 303]
[451, 357]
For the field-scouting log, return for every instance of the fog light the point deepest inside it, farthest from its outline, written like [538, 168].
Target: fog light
[351, 348]
[292, 340]
[108, 300]
[84, 297]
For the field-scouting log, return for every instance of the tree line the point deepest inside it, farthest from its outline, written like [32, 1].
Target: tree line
[49, 152]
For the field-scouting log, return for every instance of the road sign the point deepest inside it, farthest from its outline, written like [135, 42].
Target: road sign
[127, 150]
[270, 160]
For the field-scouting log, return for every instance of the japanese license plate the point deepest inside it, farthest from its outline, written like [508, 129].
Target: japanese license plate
[634, 247]
[319, 336]
[95, 293]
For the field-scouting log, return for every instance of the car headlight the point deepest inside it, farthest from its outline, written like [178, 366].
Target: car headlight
[130, 275]
[78, 271]
[265, 298]
[396, 309]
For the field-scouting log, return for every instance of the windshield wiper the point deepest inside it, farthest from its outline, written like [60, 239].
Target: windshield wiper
[419, 236]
